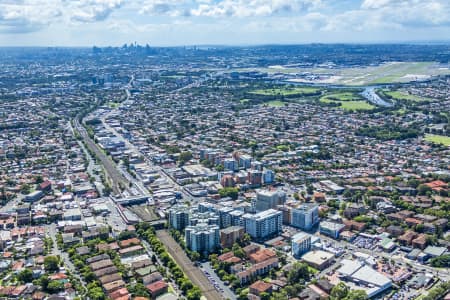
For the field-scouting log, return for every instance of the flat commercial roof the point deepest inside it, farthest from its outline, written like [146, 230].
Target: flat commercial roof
[369, 275]
[361, 272]
[317, 257]
[435, 251]
[349, 267]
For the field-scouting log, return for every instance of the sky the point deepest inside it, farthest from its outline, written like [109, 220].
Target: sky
[221, 22]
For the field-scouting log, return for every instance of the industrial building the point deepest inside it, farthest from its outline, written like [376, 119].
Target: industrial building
[364, 277]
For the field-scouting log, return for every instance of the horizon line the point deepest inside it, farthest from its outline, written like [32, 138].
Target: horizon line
[412, 42]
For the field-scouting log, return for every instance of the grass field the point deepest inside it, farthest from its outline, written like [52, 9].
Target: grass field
[344, 96]
[113, 104]
[438, 139]
[404, 96]
[348, 101]
[275, 103]
[286, 91]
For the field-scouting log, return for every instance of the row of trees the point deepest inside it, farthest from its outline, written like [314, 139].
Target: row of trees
[191, 291]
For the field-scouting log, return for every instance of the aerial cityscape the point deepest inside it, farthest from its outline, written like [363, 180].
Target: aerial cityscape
[263, 168]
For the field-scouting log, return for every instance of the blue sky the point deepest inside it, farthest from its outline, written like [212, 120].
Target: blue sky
[226, 22]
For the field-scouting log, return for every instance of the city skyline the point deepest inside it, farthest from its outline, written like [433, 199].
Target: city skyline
[223, 22]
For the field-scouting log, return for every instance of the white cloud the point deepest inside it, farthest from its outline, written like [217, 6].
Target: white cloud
[27, 15]
[17, 16]
[253, 8]
[374, 4]
[86, 11]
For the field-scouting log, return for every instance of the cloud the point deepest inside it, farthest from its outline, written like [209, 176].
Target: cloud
[22, 16]
[87, 11]
[27, 15]
[253, 8]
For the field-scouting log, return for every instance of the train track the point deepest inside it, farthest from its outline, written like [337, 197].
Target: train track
[118, 181]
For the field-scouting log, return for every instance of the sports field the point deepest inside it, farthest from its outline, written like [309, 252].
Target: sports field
[438, 139]
[276, 103]
[348, 101]
[287, 91]
[399, 95]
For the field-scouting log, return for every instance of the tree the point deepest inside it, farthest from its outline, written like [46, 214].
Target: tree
[195, 256]
[298, 271]
[243, 295]
[185, 157]
[238, 251]
[264, 296]
[442, 261]
[339, 292]
[186, 285]
[139, 290]
[356, 295]
[194, 293]
[51, 263]
[55, 286]
[25, 189]
[25, 276]
[39, 179]
[246, 239]
[229, 192]
[96, 293]
[423, 189]
[125, 235]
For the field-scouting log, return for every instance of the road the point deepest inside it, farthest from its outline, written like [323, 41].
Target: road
[370, 94]
[192, 272]
[150, 252]
[51, 232]
[118, 180]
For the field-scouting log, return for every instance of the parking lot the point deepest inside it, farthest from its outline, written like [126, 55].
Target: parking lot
[216, 282]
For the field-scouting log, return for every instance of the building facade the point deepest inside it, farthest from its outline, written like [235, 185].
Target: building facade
[267, 199]
[301, 243]
[202, 237]
[305, 216]
[179, 216]
[263, 224]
